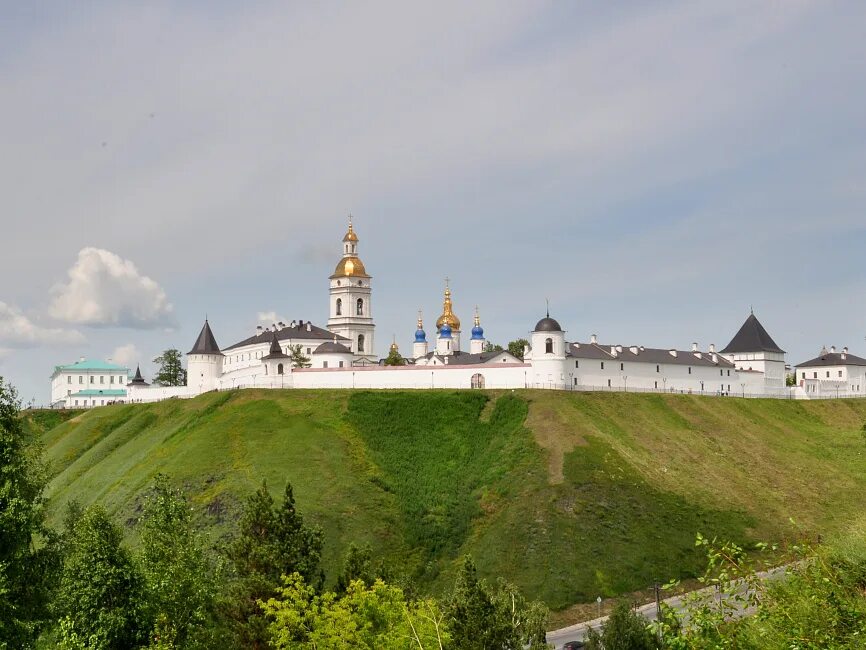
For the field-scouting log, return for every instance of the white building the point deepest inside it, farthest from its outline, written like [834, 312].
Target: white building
[343, 356]
[832, 374]
[88, 383]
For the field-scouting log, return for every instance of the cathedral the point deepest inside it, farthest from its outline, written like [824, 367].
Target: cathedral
[301, 354]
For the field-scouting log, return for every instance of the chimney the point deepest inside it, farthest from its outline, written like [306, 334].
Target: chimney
[673, 352]
[633, 349]
[593, 339]
[292, 324]
[619, 349]
[300, 323]
[613, 350]
[832, 349]
[694, 347]
[712, 347]
[844, 353]
[309, 327]
[715, 357]
[258, 330]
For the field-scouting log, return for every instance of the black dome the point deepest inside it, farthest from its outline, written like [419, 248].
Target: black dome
[332, 347]
[547, 324]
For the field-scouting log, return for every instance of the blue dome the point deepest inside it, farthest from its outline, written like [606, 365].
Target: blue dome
[445, 331]
[477, 333]
[420, 336]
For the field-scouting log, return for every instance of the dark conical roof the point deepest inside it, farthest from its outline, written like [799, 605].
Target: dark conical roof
[752, 337]
[275, 351]
[205, 343]
[138, 380]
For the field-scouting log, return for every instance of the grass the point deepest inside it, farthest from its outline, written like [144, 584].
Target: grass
[569, 496]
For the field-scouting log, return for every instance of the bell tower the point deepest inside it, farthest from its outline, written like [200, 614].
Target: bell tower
[351, 309]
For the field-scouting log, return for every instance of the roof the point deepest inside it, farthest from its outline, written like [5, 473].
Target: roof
[138, 380]
[275, 351]
[833, 359]
[332, 347]
[91, 364]
[468, 359]
[547, 324]
[205, 343]
[752, 337]
[645, 355]
[95, 392]
[298, 331]
[350, 267]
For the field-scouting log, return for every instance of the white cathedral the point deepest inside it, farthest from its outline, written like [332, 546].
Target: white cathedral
[343, 356]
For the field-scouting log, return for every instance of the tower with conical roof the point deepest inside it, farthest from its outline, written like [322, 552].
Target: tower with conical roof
[351, 309]
[477, 342]
[204, 362]
[753, 351]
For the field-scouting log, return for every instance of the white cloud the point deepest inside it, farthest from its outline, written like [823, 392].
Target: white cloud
[126, 355]
[269, 318]
[105, 289]
[17, 330]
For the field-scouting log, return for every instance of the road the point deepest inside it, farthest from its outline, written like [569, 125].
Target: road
[579, 631]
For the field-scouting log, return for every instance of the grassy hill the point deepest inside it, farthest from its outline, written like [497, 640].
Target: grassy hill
[567, 495]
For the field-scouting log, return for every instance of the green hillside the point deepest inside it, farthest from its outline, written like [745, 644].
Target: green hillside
[567, 495]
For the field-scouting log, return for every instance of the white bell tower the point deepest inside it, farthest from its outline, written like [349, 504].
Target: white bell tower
[351, 309]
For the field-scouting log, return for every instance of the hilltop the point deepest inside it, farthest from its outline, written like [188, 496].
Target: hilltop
[569, 495]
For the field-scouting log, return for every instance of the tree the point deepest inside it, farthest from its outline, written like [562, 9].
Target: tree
[101, 590]
[625, 629]
[491, 347]
[171, 371]
[480, 617]
[394, 358]
[273, 542]
[29, 559]
[516, 347]
[358, 565]
[180, 578]
[297, 356]
[378, 617]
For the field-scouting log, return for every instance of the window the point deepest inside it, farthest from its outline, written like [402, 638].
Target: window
[341, 364]
[76, 402]
[828, 374]
[602, 365]
[360, 337]
[309, 350]
[690, 370]
[722, 373]
[729, 373]
[280, 369]
[548, 346]
[657, 369]
[324, 364]
[360, 309]
[575, 381]
[80, 379]
[804, 375]
[840, 373]
[339, 306]
[477, 380]
[656, 384]
[816, 375]
[729, 388]
[576, 364]
[112, 379]
[622, 366]
[608, 383]
[68, 379]
[92, 378]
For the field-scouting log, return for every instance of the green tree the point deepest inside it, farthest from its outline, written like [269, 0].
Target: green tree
[491, 347]
[624, 629]
[28, 554]
[101, 591]
[171, 371]
[359, 565]
[516, 347]
[297, 356]
[394, 358]
[378, 617]
[179, 576]
[274, 541]
[480, 617]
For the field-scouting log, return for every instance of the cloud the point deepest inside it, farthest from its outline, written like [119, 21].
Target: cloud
[17, 330]
[107, 290]
[269, 318]
[126, 355]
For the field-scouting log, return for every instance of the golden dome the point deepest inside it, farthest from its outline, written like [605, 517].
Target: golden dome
[448, 315]
[350, 267]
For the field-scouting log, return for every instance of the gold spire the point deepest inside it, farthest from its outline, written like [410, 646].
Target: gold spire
[350, 234]
[394, 347]
[420, 324]
[477, 318]
[448, 315]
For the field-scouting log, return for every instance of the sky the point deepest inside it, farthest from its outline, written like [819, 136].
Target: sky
[653, 169]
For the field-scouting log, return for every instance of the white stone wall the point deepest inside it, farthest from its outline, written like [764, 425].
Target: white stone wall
[67, 382]
[450, 376]
[832, 381]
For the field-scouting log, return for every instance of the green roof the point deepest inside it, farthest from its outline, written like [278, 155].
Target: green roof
[92, 364]
[95, 392]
